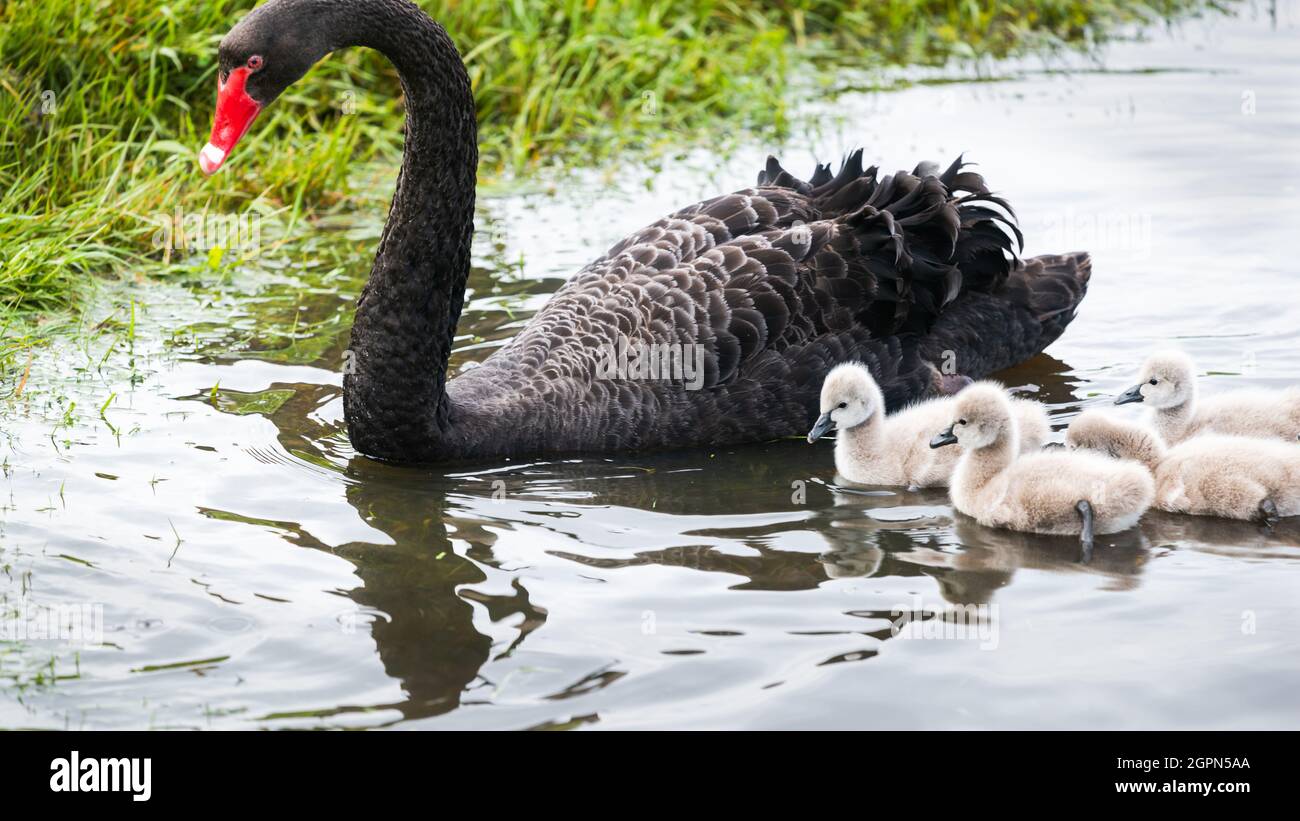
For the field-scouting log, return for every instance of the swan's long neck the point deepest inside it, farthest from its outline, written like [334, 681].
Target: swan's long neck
[396, 370]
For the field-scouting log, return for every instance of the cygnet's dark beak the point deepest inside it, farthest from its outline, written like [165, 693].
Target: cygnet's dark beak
[944, 439]
[824, 424]
[1133, 394]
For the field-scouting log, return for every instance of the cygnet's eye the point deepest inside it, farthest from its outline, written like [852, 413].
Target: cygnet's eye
[961, 421]
[842, 405]
[1154, 381]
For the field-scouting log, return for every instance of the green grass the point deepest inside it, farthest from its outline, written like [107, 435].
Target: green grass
[129, 85]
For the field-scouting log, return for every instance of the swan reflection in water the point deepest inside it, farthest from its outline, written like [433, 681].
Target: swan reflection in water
[770, 517]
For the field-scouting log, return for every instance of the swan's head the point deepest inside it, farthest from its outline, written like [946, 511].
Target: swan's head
[981, 417]
[850, 396]
[265, 53]
[1167, 380]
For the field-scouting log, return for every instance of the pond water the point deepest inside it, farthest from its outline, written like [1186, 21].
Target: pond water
[250, 570]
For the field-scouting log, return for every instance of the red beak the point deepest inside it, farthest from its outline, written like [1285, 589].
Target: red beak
[235, 113]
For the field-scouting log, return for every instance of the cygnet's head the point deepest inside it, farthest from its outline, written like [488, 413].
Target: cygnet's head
[981, 417]
[1168, 379]
[1092, 430]
[1118, 438]
[850, 396]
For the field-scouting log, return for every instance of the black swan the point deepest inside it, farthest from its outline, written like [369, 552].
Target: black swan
[913, 274]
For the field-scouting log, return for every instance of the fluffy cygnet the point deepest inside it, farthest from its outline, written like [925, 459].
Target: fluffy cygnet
[1168, 387]
[1233, 477]
[874, 449]
[1056, 492]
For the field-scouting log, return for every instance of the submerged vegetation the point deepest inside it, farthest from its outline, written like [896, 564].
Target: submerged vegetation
[103, 104]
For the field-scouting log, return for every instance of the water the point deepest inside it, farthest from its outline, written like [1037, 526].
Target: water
[252, 571]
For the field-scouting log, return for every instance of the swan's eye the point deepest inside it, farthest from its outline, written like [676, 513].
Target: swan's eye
[254, 62]
[842, 405]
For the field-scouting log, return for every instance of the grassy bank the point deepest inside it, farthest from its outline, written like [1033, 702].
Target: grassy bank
[103, 104]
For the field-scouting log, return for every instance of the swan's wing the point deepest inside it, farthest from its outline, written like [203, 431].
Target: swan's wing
[796, 297]
[771, 287]
[788, 265]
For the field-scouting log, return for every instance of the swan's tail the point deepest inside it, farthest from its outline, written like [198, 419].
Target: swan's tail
[982, 333]
[1052, 286]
